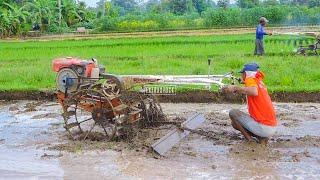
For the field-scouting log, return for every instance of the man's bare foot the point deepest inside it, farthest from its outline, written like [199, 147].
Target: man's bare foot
[263, 141]
[250, 140]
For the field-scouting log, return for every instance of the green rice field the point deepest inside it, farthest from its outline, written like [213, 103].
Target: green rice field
[26, 65]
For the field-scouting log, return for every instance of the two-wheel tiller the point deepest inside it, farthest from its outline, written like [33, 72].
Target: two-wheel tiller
[96, 103]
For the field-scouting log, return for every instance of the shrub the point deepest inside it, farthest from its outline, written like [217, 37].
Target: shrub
[106, 24]
[177, 23]
[212, 17]
[150, 24]
[55, 28]
[198, 22]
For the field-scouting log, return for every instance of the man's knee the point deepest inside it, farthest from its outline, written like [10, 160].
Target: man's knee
[234, 113]
[234, 125]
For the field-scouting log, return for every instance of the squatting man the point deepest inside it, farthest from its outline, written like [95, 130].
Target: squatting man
[261, 121]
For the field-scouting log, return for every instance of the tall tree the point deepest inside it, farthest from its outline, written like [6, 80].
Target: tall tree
[125, 6]
[313, 3]
[247, 3]
[84, 12]
[16, 17]
[223, 3]
[110, 10]
[154, 6]
[42, 13]
[4, 23]
[271, 2]
[70, 13]
[300, 2]
[60, 11]
[200, 5]
[178, 7]
[285, 2]
[100, 8]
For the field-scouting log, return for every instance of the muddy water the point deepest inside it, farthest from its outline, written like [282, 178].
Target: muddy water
[29, 130]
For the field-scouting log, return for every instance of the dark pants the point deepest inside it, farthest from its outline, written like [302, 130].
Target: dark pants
[259, 50]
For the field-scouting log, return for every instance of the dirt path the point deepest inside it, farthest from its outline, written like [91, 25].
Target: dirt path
[200, 32]
[33, 144]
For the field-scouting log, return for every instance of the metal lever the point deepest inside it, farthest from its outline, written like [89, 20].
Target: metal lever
[209, 66]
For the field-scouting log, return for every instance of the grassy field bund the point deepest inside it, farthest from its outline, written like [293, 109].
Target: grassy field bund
[26, 65]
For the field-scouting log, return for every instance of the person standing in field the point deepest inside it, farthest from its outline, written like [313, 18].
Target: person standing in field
[259, 50]
[261, 121]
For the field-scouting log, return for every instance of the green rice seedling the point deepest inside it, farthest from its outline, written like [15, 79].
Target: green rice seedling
[26, 65]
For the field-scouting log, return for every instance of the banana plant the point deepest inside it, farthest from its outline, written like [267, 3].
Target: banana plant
[4, 24]
[70, 13]
[15, 17]
[42, 13]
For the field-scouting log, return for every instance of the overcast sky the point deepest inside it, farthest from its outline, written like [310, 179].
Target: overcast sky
[91, 3]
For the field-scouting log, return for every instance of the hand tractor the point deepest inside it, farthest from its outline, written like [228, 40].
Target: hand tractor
[312, 48]
[96, 103]
[301, 38]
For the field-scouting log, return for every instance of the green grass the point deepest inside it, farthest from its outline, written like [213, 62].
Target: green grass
[26, 65]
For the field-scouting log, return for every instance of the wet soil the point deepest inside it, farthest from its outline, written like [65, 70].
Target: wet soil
[33, 144]
[181, 97]
[27, 95]
[210, 97]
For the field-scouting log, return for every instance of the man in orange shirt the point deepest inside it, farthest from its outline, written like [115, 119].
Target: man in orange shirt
[261, 121]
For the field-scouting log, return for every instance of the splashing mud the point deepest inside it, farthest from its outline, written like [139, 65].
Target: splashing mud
[33, 144]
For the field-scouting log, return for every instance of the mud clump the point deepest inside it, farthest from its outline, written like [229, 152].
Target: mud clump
[140, 142]
[47, 115]
[33, 105]
[29, 110]
[28, 107]
[50, 156]
[13, 108]
[305, 141]
[254, 151]
[79, 146]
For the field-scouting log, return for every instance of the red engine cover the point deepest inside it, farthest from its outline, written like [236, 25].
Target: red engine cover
[58, 64]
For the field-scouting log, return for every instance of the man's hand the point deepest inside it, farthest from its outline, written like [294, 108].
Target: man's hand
[270, 33]
[251, 91]
[229, 89]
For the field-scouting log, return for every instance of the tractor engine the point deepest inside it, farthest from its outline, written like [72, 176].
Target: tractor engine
[95, 103]
[73, 72]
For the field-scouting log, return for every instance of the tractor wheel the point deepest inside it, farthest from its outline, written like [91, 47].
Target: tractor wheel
[88, 114]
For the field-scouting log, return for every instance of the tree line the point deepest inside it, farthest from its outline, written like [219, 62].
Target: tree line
[18, 17]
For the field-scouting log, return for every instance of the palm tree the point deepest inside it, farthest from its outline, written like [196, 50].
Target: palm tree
[69, 12]
[60, 11]
[81, 10]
